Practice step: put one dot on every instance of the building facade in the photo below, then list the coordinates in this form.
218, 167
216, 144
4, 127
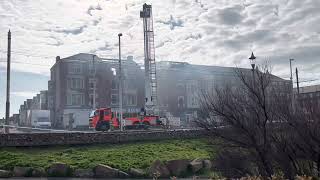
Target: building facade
308, 96
79, 81
83, 82
180, 86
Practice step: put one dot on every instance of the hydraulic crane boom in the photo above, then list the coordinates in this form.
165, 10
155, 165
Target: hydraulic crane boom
149, 61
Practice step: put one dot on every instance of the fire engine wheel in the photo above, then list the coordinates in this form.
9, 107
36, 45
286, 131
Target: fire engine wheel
136, 125
103, 126
146, 125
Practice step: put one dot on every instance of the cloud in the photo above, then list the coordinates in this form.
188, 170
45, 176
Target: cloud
172, 22
202, 32
230, 16
92, 8
74, 31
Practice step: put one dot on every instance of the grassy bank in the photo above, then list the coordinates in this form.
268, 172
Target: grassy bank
137, 155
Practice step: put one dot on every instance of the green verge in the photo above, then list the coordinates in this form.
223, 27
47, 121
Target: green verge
123, 156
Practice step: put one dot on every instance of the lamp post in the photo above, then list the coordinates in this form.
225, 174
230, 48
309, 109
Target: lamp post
94, 83
252, 59
120, 85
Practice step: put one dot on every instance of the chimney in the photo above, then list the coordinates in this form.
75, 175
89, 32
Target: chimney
57, 58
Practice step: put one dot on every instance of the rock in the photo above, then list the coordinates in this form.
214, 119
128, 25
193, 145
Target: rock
122, 174
83, 173
104, 171
22, 171
178, 167
207, 164
159, 169
5, 174
59, 170
39, 172
137, 172
196, 165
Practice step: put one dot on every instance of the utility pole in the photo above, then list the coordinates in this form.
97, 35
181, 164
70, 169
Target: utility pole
290, 60
291, 81
94, 83
297, 81
8, 83
120, 85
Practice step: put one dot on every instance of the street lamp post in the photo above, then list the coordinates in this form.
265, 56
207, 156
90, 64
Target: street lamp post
253, 65
94, 83
120, 85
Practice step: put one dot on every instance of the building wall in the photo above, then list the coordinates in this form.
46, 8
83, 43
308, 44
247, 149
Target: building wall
180, 86
73, 80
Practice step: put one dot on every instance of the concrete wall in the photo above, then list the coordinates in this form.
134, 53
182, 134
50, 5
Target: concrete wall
50, 139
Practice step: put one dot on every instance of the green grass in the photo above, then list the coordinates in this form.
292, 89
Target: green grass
136, 155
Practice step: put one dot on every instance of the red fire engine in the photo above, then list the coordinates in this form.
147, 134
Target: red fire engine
103, 119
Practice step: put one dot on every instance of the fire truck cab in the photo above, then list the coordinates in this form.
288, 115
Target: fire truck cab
104, 119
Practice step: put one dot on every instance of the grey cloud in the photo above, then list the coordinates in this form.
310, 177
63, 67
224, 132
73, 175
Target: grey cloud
303, 55
230, 16
238, 42
74, 31
57, 42
172, 22
96, 21
161, 44
106, 47
192, 36
92, 8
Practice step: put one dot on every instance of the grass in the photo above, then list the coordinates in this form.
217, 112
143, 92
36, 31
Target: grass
124, 156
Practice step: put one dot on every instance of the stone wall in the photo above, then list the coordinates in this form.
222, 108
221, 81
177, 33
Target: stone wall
50, 139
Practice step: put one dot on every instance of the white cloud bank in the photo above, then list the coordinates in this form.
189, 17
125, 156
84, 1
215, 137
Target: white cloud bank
197, 31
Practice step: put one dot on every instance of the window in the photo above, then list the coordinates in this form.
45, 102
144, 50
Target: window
91, 69
114, 85
75, 83
74, 68
180, 86
131, 100
180, 101
91, 83
75, 99
114, 99
90, 99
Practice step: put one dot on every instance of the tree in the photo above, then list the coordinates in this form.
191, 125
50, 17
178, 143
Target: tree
258, 116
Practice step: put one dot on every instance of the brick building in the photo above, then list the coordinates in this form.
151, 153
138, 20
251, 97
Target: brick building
180, 84
74, 79
308, 96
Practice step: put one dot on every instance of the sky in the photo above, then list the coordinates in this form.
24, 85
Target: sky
209, 32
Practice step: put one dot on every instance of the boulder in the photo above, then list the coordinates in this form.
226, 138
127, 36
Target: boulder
22, 171
5, 174
38, 172
196, 165
104, 171
207, 164
178, 167
59, 170
159, 169
137, 172
83, 173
